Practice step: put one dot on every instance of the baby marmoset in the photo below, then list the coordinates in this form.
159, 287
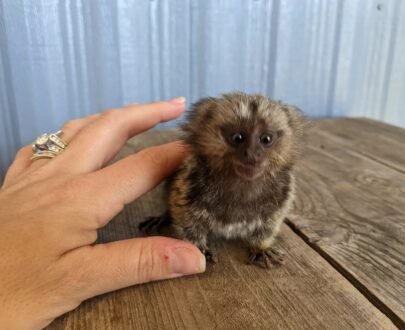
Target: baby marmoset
238, 181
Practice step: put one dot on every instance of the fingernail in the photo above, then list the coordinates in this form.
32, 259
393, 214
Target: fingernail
186, 261
179, 100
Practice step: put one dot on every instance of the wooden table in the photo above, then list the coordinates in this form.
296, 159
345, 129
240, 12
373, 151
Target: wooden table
344, 244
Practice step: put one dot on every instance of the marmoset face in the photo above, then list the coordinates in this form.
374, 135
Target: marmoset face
244, 135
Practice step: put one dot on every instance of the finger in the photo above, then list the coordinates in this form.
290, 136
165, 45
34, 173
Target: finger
108, 267
132, 105
93, 147
131, 177
69, 130
72, 127
23, 158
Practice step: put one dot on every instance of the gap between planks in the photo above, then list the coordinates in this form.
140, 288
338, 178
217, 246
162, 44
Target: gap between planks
371, 297
379, 161
367, 293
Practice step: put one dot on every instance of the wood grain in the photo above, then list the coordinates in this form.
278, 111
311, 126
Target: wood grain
351, 208
372, 139
305, 293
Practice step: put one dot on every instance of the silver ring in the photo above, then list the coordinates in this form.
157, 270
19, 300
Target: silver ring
48, 145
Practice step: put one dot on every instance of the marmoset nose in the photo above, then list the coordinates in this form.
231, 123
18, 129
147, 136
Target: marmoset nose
252, 157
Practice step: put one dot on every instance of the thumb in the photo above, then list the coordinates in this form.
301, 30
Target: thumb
124, 263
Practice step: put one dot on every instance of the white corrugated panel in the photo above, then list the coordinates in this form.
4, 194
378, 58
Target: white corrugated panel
63, 59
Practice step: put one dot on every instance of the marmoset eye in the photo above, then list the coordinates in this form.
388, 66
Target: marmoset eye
266, 139
238, 138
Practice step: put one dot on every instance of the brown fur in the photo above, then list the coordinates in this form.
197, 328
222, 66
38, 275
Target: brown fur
235, 190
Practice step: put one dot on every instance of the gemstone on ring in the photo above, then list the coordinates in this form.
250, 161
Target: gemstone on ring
54, 148
48, 145
40, 142
57, 140
42, 139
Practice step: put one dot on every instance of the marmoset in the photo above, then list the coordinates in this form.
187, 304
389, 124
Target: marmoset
238, 181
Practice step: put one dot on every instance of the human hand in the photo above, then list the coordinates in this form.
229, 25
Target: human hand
50, 210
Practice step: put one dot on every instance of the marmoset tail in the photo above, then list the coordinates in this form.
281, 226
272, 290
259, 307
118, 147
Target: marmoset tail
238, 180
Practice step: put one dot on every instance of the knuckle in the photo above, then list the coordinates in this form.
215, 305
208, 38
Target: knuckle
100, 212
156, 156
22, 152
110, 118
70, 125
111, 115
146, 266
63, 193
68, 189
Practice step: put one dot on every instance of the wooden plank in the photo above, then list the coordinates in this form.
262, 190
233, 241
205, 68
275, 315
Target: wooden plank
352, 210
305, 293
373, 139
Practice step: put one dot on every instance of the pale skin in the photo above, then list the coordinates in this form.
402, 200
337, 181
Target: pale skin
50, 210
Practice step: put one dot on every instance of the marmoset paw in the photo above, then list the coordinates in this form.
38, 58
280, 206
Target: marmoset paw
209, 255
267, 259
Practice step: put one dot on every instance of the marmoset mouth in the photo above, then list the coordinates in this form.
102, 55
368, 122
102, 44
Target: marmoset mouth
248, 171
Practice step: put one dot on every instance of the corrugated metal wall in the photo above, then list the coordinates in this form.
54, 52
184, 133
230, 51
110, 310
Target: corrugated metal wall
63, 59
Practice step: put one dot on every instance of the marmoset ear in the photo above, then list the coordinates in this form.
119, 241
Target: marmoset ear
296, 119
200, 112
